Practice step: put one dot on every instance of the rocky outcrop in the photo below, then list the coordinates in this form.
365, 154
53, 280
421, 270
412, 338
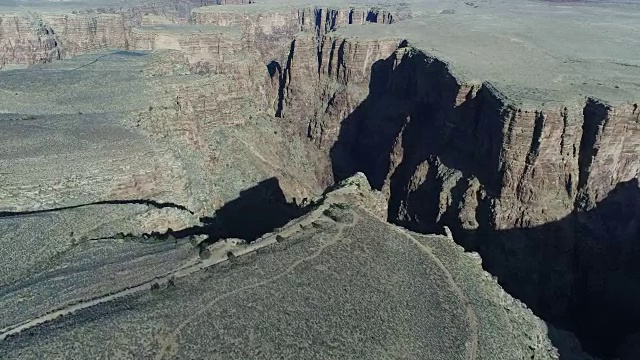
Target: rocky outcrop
323, 80
322, 83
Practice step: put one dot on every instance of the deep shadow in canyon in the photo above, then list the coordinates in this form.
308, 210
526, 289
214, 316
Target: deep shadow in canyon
587, 263
255, 212
578, 273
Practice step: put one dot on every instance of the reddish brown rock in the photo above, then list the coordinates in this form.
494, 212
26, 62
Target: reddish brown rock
29, 38
514, 182
26, 41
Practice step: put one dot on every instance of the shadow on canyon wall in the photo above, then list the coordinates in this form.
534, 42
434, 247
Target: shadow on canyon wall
578, 273
256, 211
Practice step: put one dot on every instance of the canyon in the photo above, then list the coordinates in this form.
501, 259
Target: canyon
513, 128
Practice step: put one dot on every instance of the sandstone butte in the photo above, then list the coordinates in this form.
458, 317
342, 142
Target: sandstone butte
513, 125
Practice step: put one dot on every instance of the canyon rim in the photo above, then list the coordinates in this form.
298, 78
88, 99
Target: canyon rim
155, 153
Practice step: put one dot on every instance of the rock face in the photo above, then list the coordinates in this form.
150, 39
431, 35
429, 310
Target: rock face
547, 193
42, 37
320, 72
205, 49
269, 29
315, 62
26, 41
517, 184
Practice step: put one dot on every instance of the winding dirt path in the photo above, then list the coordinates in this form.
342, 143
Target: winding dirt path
174, 335
183, 271
171, 341
472, 319
70, 309
160, 280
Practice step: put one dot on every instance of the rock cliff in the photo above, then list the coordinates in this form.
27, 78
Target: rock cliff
26, 41
515, 183
546, 191
270, 28
40, 37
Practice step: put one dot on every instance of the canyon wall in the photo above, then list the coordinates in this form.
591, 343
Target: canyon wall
270, 29
548, 195
34, 37
532, 189
26, 41
301, 61
313, 96
29, 38
200, 94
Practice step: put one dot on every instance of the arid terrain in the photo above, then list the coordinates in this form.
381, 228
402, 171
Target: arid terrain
295, 179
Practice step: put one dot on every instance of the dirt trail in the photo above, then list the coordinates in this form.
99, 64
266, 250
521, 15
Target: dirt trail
472, 319
171, 342
189, 268
173, 337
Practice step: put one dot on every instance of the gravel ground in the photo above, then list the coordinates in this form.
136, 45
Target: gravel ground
349, 286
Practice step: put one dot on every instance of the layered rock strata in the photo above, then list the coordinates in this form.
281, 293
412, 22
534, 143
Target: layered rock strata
269, 29
547, 193
517, 183
34, 37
